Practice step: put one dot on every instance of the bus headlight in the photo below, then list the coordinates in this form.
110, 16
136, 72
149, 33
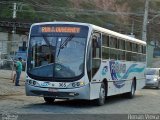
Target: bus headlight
33, 83
36, 84
76, 84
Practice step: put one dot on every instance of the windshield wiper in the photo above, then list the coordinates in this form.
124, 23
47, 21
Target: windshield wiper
65, 43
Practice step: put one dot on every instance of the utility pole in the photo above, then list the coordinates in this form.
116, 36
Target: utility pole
145, 21
14, 10
132, 30
14, 15
13, 37
14, 26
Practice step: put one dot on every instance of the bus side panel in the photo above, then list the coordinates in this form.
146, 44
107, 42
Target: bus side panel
111, 89
140, 77
134, 70
94, 90
96, 82
127, 86
122, 79
140, 84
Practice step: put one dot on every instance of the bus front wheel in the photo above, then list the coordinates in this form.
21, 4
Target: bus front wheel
102, 96
49, 99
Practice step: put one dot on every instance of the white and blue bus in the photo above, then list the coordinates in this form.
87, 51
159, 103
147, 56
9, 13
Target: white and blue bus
71, 60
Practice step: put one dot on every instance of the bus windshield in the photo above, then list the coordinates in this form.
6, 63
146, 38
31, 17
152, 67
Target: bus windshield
56, 56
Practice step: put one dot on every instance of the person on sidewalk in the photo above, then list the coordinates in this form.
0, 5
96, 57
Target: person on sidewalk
18, 71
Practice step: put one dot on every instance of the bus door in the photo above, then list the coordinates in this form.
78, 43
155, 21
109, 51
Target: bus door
93, 64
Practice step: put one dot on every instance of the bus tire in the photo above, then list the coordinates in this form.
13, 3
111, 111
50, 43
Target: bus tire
102, 95
49, 99
132, 92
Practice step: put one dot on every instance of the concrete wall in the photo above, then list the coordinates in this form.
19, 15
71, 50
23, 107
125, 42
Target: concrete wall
152, 62
3, 42
149, 55
10, 43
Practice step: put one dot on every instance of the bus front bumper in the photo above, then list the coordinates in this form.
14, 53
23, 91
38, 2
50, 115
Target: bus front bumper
65, 93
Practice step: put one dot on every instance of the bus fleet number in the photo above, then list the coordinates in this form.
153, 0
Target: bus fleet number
62, 85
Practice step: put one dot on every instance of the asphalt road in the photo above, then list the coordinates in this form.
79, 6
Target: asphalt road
145, 101
14, 105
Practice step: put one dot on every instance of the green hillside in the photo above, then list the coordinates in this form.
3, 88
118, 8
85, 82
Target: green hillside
125, 16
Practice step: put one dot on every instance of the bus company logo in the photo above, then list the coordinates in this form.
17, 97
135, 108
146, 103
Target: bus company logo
104, 70
117, 67
116, 70
120, 73
45, 84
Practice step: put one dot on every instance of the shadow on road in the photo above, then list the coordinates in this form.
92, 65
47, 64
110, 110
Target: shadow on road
150, 88
82, 103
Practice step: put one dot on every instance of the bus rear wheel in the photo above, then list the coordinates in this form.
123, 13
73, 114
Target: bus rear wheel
102, 96
49, 99
132, 92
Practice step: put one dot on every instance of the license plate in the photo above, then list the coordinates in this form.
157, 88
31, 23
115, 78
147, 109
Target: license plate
52, 90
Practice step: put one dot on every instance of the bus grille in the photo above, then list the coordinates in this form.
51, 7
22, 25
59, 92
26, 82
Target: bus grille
55, 94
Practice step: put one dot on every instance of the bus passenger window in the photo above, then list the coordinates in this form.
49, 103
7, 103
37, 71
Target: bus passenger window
121, 44
129, 46
105, 53
121, 55
105, 40
143, 49
113, 54
128, 56
134, 57
113, 42
134, 47
140, 48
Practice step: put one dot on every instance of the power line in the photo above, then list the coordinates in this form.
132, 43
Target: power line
83, 11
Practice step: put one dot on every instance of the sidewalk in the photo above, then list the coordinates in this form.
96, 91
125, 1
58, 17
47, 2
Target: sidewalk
7, 87
8, 74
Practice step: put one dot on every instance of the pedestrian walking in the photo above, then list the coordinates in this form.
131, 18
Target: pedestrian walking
18, 71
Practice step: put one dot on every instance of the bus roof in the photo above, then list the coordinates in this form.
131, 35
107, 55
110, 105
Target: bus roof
105, 30
123, 36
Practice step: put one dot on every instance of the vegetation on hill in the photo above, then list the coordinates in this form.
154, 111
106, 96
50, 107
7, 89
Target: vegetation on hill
125, 16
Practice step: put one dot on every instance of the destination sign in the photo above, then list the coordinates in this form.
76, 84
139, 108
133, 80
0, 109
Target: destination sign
51, 29
59, 30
